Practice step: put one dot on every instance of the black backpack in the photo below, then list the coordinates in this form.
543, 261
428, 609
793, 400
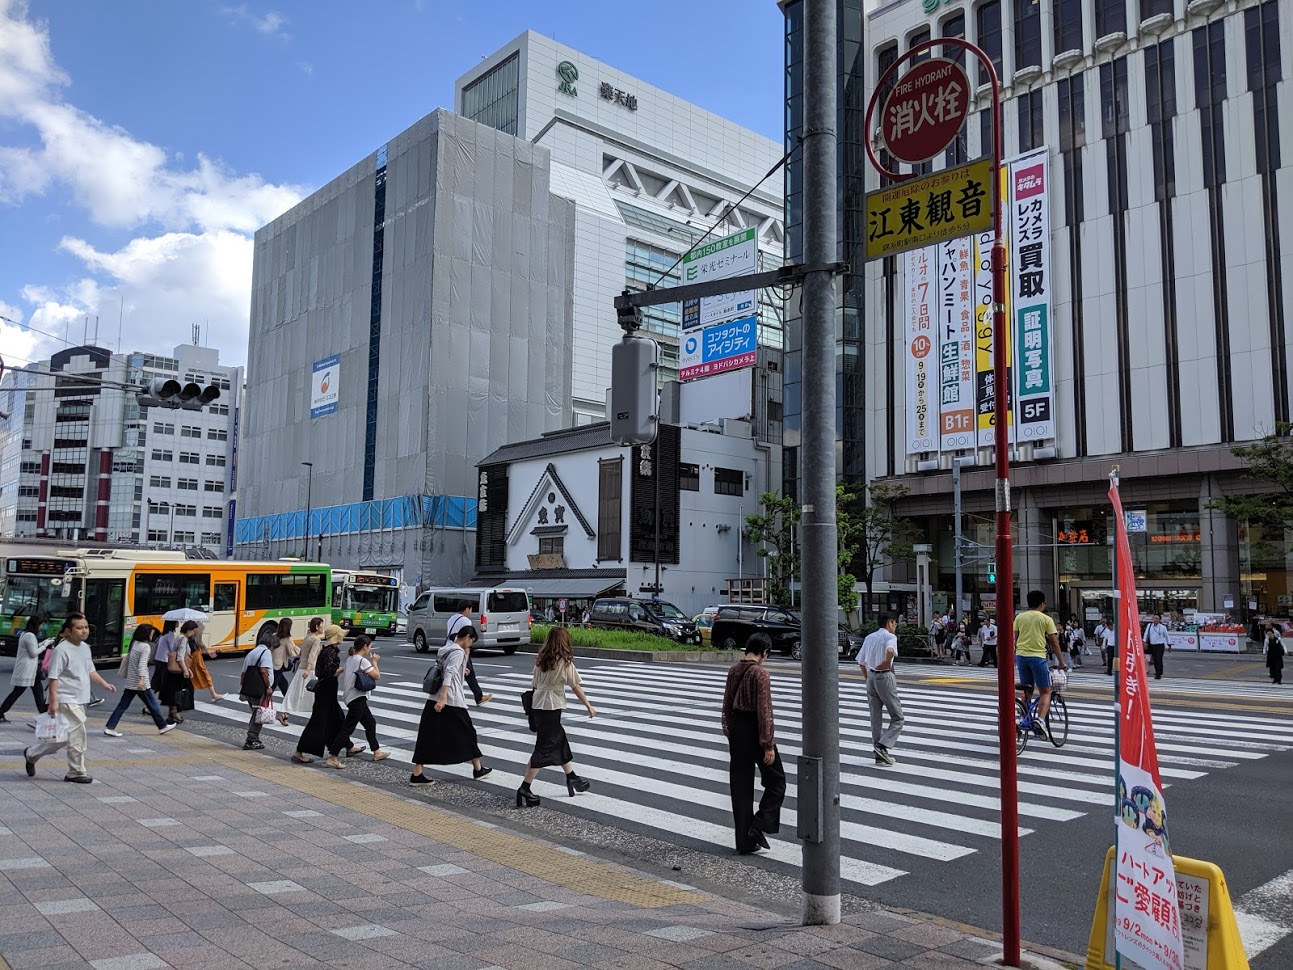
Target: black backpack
433, 679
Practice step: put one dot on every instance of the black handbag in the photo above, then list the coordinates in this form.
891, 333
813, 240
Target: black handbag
253, 685
312, 683
184, 699
527, 702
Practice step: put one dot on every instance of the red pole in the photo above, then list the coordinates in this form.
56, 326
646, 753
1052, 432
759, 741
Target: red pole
1010, 929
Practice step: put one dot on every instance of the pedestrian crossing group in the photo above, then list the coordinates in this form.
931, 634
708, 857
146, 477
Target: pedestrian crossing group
657, 759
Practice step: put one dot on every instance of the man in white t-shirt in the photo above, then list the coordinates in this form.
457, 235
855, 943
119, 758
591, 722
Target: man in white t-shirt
71, 671
988, 637
257, 668
876, 658
1107, 636
456, 622
1156, 643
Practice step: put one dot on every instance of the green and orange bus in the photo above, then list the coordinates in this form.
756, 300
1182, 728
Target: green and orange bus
118, 589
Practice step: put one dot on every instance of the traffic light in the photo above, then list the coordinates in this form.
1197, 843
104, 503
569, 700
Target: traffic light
635, 399
992, 572
166, 392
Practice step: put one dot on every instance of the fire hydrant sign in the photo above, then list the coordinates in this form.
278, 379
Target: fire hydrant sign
925, 110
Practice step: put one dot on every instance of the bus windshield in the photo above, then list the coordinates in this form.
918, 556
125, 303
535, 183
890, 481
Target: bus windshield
29, 595
370, 598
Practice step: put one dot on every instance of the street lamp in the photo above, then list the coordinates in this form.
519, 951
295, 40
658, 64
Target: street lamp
309, 490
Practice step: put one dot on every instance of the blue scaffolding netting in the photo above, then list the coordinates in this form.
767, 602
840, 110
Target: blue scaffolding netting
405, 512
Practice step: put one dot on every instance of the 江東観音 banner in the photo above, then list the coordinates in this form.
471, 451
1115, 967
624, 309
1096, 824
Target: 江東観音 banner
324, 383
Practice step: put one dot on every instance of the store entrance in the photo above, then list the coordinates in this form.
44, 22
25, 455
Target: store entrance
1091, 603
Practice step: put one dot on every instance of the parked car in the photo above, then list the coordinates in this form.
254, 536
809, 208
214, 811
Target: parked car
704, 624
734, 625
644, 616
401, 624
501, 617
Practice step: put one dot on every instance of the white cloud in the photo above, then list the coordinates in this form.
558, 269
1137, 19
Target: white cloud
270, 24
196, 264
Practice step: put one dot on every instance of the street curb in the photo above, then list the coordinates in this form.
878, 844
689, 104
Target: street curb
642, 656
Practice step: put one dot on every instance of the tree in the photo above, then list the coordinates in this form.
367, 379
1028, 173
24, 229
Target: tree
773, 530
1270, 463
872, 534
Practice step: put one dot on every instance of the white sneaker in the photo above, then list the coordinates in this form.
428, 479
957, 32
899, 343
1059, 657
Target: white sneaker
113, 734
164, 728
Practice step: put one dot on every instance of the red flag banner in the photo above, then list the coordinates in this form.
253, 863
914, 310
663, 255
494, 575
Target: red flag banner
1147, 928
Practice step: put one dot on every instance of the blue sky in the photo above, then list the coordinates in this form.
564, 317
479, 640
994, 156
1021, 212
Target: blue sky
142, 143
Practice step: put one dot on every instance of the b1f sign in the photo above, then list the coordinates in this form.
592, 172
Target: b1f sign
325, 381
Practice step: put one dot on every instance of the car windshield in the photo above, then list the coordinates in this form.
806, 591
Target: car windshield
667, 611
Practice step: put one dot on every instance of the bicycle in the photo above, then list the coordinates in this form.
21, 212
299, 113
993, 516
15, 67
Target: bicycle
1057, 718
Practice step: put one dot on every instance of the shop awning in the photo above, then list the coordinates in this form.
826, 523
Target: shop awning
575, 589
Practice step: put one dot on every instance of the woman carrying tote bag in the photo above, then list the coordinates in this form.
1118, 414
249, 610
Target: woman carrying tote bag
446, 735
297, 698
554, 671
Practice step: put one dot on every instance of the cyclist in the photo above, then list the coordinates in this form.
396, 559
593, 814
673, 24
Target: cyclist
1035, 637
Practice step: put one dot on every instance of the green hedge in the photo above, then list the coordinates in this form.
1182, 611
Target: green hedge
913, 641
613, 639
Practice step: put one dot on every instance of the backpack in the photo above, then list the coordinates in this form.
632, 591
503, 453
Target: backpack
433, 679
46, 656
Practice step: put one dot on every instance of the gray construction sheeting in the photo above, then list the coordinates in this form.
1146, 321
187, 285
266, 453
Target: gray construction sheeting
476, 331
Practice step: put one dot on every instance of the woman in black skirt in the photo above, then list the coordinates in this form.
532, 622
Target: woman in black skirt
554, 671
446, 735
326, 717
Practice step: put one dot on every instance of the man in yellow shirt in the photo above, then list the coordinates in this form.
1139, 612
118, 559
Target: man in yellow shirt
1035, 636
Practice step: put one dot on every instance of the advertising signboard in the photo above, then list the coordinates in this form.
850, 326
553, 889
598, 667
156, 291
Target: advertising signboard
1030, 289
720, 348
955, 345
922, 341
734, 255
923, 211
325, 380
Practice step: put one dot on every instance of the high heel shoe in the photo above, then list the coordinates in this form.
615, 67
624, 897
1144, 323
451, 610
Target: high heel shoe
574, 783
523, 794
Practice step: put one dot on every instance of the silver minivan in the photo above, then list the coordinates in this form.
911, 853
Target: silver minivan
500, 615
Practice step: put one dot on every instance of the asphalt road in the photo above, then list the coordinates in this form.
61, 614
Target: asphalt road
920, 837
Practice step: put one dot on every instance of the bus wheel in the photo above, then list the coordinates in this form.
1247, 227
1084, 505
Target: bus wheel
420, 642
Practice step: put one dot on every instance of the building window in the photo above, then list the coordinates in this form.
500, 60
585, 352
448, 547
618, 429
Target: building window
190, 431
190, 458
1031, 134
919, 37
552, 545
186, 537
492, 99
987, 23
1160, 97
159, 455
1114, 126
689, 477
217, 434
29, 491
213, 486
1028, 33
212, 512
985, 132
187, 484
729, 481
1262, 40
157, 535
218, 409
1152, 8
958, 152
216, 461
159, 428
1110, 17
30, 468
1072, 97
159, 481
187, 511
610, 488
1068, 25
212, 538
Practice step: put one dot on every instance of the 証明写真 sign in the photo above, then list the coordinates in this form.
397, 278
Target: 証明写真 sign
924, 110
947, 205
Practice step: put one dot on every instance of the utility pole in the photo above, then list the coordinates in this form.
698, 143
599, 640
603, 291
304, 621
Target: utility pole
819, 765
309, 494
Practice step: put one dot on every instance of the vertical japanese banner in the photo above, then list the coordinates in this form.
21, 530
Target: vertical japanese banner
1030, 296
922, 351
1147, 926
955, 344
985, 399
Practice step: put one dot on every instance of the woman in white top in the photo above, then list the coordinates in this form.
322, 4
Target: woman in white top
134, 677
297, 700
446, 735
554, 671
361, 659
26, 668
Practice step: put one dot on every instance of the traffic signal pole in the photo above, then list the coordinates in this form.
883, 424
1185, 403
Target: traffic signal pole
819, 765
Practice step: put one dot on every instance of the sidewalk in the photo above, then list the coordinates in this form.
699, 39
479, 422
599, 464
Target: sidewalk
189, 853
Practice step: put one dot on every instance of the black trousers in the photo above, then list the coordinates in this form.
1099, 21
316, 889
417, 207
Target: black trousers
989, 655
357, 713
745, 755
37, 691
1156, 651
470, 680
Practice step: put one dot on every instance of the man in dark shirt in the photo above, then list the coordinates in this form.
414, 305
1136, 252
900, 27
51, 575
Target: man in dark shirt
747, 723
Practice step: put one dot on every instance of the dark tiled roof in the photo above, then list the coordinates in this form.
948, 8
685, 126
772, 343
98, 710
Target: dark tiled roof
553, 443
521, 575
549, 530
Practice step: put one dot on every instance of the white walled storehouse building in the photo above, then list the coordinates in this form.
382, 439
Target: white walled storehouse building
570, 515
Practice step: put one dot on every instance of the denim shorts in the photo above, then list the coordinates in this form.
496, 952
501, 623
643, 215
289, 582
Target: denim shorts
1034, 672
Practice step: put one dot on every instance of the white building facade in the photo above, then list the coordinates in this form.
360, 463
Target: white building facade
1166, 129
649, 173
571, 515
82, 460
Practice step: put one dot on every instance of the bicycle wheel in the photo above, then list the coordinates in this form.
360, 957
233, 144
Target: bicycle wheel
1057, 721
1021, 735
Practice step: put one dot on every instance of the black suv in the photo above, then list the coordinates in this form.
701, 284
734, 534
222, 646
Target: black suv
734, 625
644, 616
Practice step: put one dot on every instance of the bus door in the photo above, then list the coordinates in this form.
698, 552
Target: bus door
105, 601
226, 614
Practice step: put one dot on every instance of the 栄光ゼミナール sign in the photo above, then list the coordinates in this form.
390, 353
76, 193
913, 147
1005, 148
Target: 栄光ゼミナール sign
946, 205
924, 110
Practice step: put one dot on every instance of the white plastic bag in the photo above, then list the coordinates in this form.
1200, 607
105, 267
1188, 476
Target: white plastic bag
51, 728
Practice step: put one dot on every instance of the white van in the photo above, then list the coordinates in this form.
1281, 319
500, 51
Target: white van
501, 616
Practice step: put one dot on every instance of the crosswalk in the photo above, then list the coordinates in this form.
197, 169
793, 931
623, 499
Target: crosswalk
658, 761
1092, 675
